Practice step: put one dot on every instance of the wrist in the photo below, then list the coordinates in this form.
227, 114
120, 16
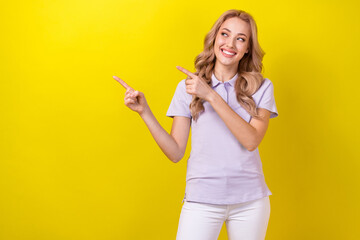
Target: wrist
146, 111
211, 96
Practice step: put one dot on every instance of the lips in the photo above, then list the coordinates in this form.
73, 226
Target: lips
228, 50
227, 55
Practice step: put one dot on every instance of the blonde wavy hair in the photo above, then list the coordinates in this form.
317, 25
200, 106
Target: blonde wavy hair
249, 68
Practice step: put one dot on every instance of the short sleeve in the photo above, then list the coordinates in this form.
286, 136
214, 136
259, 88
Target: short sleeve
267, 99
180, 102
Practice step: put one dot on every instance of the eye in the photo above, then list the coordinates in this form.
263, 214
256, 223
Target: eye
238, 38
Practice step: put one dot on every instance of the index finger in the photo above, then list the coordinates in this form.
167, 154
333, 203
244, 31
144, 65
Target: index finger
124, 84
187, 72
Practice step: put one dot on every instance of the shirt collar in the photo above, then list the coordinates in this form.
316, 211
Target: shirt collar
216, 82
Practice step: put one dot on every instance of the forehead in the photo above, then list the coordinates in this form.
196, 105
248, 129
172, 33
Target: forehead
236, 25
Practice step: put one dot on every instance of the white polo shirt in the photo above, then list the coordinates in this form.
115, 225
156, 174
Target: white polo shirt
220, 170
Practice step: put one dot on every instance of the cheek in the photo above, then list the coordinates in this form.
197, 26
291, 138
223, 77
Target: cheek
242, 46
219, 42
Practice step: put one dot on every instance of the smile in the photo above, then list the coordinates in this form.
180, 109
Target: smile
227, 54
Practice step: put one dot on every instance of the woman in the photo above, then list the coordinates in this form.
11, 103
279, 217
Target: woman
227, 103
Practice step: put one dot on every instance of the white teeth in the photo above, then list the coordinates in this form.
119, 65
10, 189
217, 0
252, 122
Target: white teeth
228, 52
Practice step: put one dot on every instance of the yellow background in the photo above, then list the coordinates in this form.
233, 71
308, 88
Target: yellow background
76, 163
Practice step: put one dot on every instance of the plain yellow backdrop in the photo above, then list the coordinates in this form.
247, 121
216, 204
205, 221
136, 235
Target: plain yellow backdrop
76, 163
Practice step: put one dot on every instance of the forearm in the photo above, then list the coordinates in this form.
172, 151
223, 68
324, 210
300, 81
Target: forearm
163, 139
242, 130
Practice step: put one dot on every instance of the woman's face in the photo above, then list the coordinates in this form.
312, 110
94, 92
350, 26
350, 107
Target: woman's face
233, 36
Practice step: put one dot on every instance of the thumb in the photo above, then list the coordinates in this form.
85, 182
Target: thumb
140, 96
136, 94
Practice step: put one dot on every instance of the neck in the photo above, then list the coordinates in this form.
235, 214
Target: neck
224, 73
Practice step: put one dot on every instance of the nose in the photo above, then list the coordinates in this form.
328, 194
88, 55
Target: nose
230, 42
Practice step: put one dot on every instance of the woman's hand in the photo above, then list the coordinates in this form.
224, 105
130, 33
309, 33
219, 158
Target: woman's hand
134, 100
196, 85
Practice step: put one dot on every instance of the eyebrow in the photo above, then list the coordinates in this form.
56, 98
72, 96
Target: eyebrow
237, 34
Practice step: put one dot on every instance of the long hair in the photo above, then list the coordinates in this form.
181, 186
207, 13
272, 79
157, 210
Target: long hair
249, 67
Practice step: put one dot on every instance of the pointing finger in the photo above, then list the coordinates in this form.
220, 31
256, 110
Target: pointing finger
187, 72
124, 84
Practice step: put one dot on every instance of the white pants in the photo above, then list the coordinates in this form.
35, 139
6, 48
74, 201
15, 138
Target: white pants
244, 221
